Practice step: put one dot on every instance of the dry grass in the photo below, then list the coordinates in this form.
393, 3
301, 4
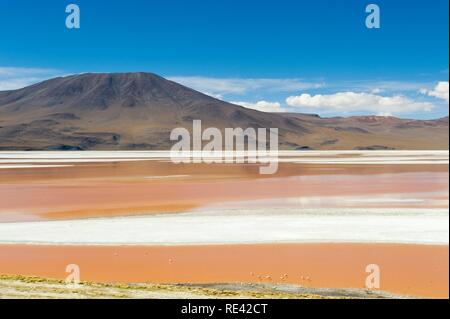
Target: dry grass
16, 286
35, 287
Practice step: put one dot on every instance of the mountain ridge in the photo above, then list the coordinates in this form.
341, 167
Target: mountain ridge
120, 111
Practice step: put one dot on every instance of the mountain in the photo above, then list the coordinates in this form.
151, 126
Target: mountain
137, 111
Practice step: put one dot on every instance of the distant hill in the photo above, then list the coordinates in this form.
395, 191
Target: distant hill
137, 111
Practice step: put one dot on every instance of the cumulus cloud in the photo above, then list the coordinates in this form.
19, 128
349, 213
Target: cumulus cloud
224, 86
440, 91
12, 78
263, 106
347, 102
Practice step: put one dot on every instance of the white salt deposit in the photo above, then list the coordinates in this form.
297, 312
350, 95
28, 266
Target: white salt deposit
237, 226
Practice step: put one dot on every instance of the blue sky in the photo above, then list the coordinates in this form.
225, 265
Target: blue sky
285, 55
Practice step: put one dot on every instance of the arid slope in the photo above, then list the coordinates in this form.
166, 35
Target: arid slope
137, 111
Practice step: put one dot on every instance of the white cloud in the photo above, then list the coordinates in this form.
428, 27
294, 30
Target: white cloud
216, 96
376, 91
263, 106
440, 91
224, 86
378, 87
17, 83
385, 114
12, 78
347, 102
22, 72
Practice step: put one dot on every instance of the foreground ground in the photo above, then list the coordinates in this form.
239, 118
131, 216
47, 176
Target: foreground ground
12, 287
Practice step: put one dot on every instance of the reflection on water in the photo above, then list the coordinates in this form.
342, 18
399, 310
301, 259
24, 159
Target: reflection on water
95, 184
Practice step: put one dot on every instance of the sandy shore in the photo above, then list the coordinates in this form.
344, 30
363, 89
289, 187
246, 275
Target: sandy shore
405, 269
22, 287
